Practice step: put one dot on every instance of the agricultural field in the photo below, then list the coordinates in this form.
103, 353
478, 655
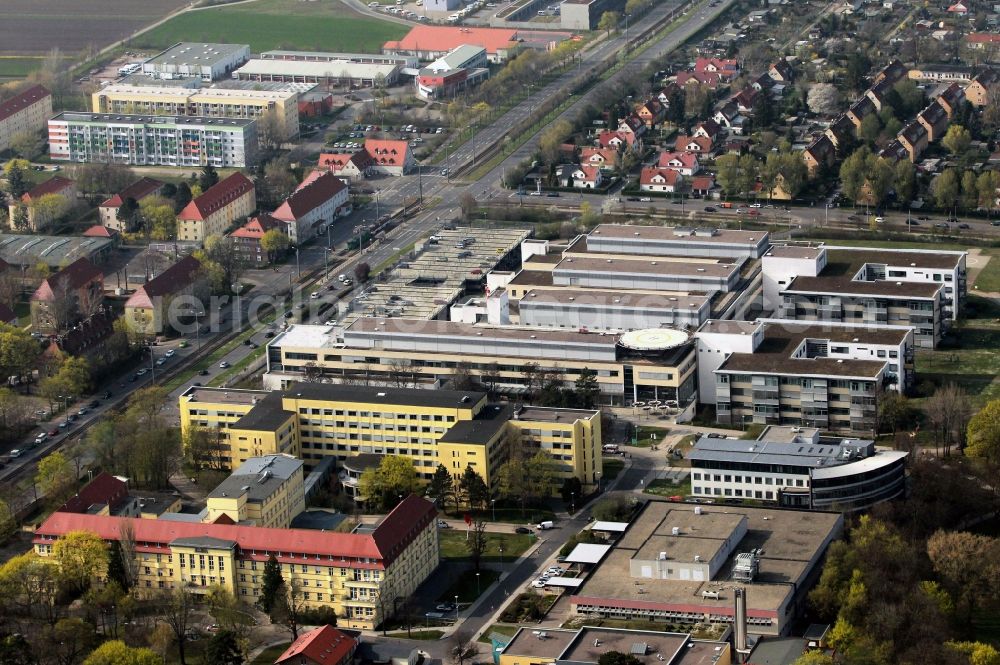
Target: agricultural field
35, 27
324, 25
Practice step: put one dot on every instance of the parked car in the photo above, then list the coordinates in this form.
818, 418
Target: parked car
709, 208
223, 365
443, 525
645, 199
522, 529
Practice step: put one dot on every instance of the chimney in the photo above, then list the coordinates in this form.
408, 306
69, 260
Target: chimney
740, 622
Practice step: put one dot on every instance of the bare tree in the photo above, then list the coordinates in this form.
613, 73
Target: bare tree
400, 374
288, 607
462, 649
126, 545
177, 609
476, 543
948, 412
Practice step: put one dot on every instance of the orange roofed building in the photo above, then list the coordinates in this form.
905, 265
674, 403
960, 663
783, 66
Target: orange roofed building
145, 309
320, 646
430, 42
347, 572
390, 157
225, 203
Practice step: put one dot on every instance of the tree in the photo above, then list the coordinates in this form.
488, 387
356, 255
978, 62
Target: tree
824, 99
904, 181
870, 129
21, 221
270, 131
159, 221
571, 490
362, 272
224, 253
461, 648
814, 658
474, 488
8, 522
82, 556
182, 196
288, 607
70, 639
55, 478
394, 477
894, 410
17, 181
879, 177
116, 567
586, 389
978, 653
224, 649
551, 141
230, 612
858, 65
208, 177
27, 144
18, 351
984, 433
49, 208
970, 191
541, 471
728, 167
957, 140
441, 486
476, 543
617, 658
947, 410
973, 585
278, 181
987, 184
945, 189
127, 213
99, 180
115, 652
178, 612
271, 584
609, 21
275, 243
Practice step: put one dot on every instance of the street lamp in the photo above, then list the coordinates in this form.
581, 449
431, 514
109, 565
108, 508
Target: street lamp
572, 502
598, 481
456, 608
197, 330
237, 312
493, 504
478, 588
501, 554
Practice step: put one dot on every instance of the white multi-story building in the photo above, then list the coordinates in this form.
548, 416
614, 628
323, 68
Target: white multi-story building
144, 140
314, 205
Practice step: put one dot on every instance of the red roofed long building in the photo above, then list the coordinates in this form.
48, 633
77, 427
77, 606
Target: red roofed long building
224, 204
26, 111
430, 42
320, 646
137, 191
313, 206
346, 571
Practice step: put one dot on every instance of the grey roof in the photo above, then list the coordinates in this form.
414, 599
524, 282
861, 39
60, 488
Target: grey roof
258, 478
30, 250
204, 541
778, 651
267, 415
196, 53
384, 395
824, 453
481, 429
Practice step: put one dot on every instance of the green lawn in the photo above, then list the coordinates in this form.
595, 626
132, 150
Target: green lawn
269, 655
514, 545
974, 365
467, 588
415, 635
18, 66
644, 436
499, 629
611, 468
988, 278
326, 25
661, 487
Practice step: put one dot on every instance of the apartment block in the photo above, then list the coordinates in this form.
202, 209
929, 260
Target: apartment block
264, 491
314, 205
137, 191
216, 210
795, 467
358, 425
348, 572
41, 214
921, 288
205, 103
826, 375
26, 111
150, 140
427, 353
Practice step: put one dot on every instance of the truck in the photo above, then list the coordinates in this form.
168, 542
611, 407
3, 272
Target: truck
542, 526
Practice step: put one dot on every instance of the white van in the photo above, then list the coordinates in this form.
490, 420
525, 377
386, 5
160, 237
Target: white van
544, 526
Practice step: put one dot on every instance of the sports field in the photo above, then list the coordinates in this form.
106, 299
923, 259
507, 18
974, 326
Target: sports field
321, 25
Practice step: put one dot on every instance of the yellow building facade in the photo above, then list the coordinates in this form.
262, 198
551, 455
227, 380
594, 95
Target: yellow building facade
357, 574
205, 102
457, 429
266, 491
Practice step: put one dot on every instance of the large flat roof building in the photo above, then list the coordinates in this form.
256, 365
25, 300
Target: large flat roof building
54, 251
325, 72
679, 563
795, 467
827, 375
586, 645
677, 241
205, 61
266, 491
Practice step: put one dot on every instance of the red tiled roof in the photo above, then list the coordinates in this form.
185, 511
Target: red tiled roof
171, 280
687, 160
982, 38
336, 161
727, 66
257, 226
54, 185
606, 155
383, 545
98, 231
104, 488
325, 645
217, 197
703, 142
445, 38
72, 277
590, 173
711, 79
22, 101
387, 152
702, 183
138, 190
647, 174
606, 136
318, 188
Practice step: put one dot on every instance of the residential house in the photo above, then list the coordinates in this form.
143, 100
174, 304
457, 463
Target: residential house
914, 138
27, 111
146, 309
877, 93
98, 231
959, 8
320, 646
580, 176
685, 163
248, 237
980, 88
941, 72
41, 215
668, 91
841, 132
618, 140
819, 154
654, 179
894, 152
223, 205
935, 120
701, 185
137, 191
313, 206
746, 99
68, 296
860, 110
710, 129
600, 157
728, 69
951, 98
729, 117
982, 41
353, 166
698, 144
632, 125
892, 72
763, 83
781, 71
651, 112
711, 80
390, 157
